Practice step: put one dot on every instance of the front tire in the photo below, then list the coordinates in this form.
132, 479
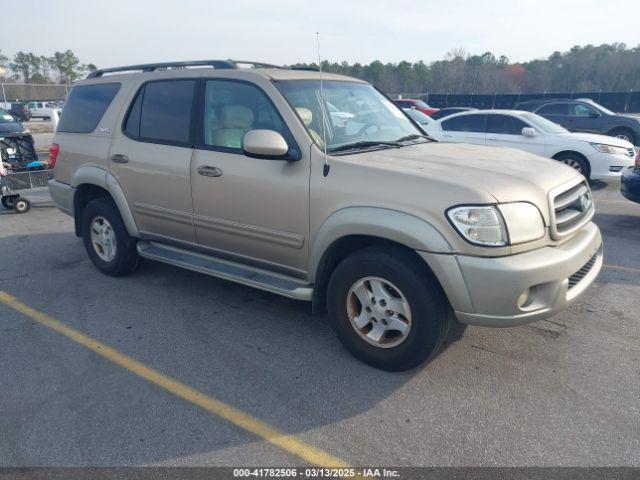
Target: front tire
8, 201
576, 162
106, 239
387, 309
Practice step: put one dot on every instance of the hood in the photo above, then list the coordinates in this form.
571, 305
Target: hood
11, 127
506, 174
596, 138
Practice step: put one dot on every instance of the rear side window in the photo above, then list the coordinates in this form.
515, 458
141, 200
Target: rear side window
505, 125
161, 112
466, 123
554, 109
85, 107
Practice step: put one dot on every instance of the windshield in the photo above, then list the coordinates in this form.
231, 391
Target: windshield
5, 117
604, 109
418, 116
356, 113
543, 124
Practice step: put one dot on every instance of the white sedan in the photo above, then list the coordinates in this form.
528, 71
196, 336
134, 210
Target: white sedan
595, 156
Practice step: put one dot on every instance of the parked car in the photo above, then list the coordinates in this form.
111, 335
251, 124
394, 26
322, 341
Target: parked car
630, 184
416, 104
18, 110
419, 117
594, 156
445, 112
16, 142
585, 115
43, 110
393, 233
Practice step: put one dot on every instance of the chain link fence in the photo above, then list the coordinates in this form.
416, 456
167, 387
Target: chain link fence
27, 92
621, 102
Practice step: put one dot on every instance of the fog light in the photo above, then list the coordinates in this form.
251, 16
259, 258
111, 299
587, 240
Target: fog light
615, 168
524, 298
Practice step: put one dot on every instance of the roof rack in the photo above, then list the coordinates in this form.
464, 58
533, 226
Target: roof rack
151, 67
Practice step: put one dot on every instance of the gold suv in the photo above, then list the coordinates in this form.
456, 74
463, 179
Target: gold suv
319, 188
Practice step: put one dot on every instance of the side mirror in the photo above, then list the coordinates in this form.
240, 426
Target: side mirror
267, 143
594, 115
529, 132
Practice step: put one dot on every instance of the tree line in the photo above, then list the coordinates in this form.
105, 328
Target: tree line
28, 67
607, 67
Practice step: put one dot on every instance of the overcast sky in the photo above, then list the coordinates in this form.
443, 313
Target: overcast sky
118, 32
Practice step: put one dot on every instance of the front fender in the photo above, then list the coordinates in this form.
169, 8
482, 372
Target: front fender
399, 227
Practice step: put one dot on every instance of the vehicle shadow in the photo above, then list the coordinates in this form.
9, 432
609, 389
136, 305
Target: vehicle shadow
596, 185
264, 354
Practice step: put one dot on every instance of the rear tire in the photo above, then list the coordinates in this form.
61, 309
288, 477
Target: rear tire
109, 246
410, 297
21, 205
576, 162
623, 134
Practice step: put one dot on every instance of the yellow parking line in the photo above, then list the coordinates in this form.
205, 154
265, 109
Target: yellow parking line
620, 267
289, 443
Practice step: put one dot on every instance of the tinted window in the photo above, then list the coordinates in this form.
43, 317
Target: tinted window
132, 124
581, 110
505, 125
86, 106
554, 109
404, 103
166, 111
233, 108
466, 123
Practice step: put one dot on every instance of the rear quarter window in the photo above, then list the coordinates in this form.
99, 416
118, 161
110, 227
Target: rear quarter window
85, 107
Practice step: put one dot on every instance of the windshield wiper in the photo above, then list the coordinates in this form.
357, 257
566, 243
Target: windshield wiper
413, 136
363, 144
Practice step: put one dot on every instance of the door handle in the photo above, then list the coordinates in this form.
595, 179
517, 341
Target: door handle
119, 158
492, 138
208, 171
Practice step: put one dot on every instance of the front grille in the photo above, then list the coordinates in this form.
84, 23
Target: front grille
571, 209
18, 150
580, 274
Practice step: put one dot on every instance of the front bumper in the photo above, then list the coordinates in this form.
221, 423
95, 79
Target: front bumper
485, 291
608, 165
630, 184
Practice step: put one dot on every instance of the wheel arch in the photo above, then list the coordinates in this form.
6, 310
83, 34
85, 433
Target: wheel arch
92, 182
559, 155
356, 228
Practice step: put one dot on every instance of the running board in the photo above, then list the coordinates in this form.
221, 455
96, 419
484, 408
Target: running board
235, 272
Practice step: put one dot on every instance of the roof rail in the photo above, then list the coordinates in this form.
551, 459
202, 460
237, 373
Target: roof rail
255, 64
151, 67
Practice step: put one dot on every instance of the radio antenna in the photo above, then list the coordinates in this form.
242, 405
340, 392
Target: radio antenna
325, 167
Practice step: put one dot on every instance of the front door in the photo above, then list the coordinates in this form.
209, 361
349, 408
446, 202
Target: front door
584, 118
506, 131
151, 159
465, 128
254, 210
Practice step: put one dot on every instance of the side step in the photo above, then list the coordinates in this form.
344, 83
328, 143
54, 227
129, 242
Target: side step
280, 284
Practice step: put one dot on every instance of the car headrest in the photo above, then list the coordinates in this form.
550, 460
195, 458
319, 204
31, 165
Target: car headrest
236, 116
305, 115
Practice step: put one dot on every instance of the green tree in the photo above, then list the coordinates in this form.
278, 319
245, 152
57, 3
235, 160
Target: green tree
67, 65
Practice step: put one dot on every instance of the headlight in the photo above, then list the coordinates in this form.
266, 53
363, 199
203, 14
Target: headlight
481, 225
497, 226
604, 148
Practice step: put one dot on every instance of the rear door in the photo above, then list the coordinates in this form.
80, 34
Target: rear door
557, 112
466, 128
506, 131
151, 157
